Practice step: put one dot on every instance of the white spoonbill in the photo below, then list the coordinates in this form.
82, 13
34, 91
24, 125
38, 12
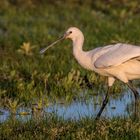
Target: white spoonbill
118, 61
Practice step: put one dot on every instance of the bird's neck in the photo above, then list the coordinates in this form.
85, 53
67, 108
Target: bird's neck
81, 56
77, 46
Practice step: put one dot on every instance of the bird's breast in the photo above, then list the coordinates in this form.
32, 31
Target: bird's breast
83, 59
85, 64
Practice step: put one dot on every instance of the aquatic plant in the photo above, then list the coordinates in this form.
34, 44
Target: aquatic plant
13, 105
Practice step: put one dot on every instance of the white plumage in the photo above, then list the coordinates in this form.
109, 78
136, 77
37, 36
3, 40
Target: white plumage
118, 61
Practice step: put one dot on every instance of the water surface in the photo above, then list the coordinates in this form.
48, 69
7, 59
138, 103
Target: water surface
77, 109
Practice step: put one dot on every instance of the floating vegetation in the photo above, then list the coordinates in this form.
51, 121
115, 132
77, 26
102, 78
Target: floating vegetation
24, 113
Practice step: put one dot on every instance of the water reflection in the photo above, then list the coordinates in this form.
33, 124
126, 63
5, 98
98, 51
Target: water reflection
77, 109
4, 115
116, 107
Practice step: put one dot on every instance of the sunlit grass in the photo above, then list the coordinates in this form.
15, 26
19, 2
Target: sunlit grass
30, 79
86, 128
24, 73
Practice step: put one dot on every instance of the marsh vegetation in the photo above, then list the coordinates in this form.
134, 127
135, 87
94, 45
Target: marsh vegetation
30, 83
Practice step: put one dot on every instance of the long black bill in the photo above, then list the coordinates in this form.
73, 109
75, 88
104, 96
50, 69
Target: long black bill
43, 50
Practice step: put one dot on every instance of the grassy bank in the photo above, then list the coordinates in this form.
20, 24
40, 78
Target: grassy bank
25, 74
84, 129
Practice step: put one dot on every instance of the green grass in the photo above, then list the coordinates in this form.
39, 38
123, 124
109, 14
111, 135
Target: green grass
85, 129
25, 75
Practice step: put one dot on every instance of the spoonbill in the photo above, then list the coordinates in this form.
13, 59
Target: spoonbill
116, 62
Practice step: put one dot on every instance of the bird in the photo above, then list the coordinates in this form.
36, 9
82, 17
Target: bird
118, 61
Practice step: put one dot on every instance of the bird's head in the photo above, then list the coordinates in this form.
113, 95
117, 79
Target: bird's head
72, 33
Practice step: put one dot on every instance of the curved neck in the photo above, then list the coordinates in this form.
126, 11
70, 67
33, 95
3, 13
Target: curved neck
81, 56
77, 47
78, 43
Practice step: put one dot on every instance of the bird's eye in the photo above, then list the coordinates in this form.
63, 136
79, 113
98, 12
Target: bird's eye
70, 32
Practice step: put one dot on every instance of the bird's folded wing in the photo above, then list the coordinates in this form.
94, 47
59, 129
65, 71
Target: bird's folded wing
117, 55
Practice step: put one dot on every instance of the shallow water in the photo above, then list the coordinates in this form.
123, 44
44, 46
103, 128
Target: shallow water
120, 106
116, 107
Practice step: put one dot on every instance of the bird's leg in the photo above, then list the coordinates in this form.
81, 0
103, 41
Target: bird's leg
133, 89
105, 101
136, 95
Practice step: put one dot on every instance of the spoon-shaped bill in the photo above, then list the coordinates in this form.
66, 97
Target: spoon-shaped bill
43, 50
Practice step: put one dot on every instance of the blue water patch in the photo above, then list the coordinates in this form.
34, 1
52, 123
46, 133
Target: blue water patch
77, 109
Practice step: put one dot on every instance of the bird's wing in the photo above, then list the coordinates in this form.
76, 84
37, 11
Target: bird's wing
116, 55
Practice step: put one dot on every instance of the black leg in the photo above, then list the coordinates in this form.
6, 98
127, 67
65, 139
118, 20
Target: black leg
133, 89
136, 95
105, 101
